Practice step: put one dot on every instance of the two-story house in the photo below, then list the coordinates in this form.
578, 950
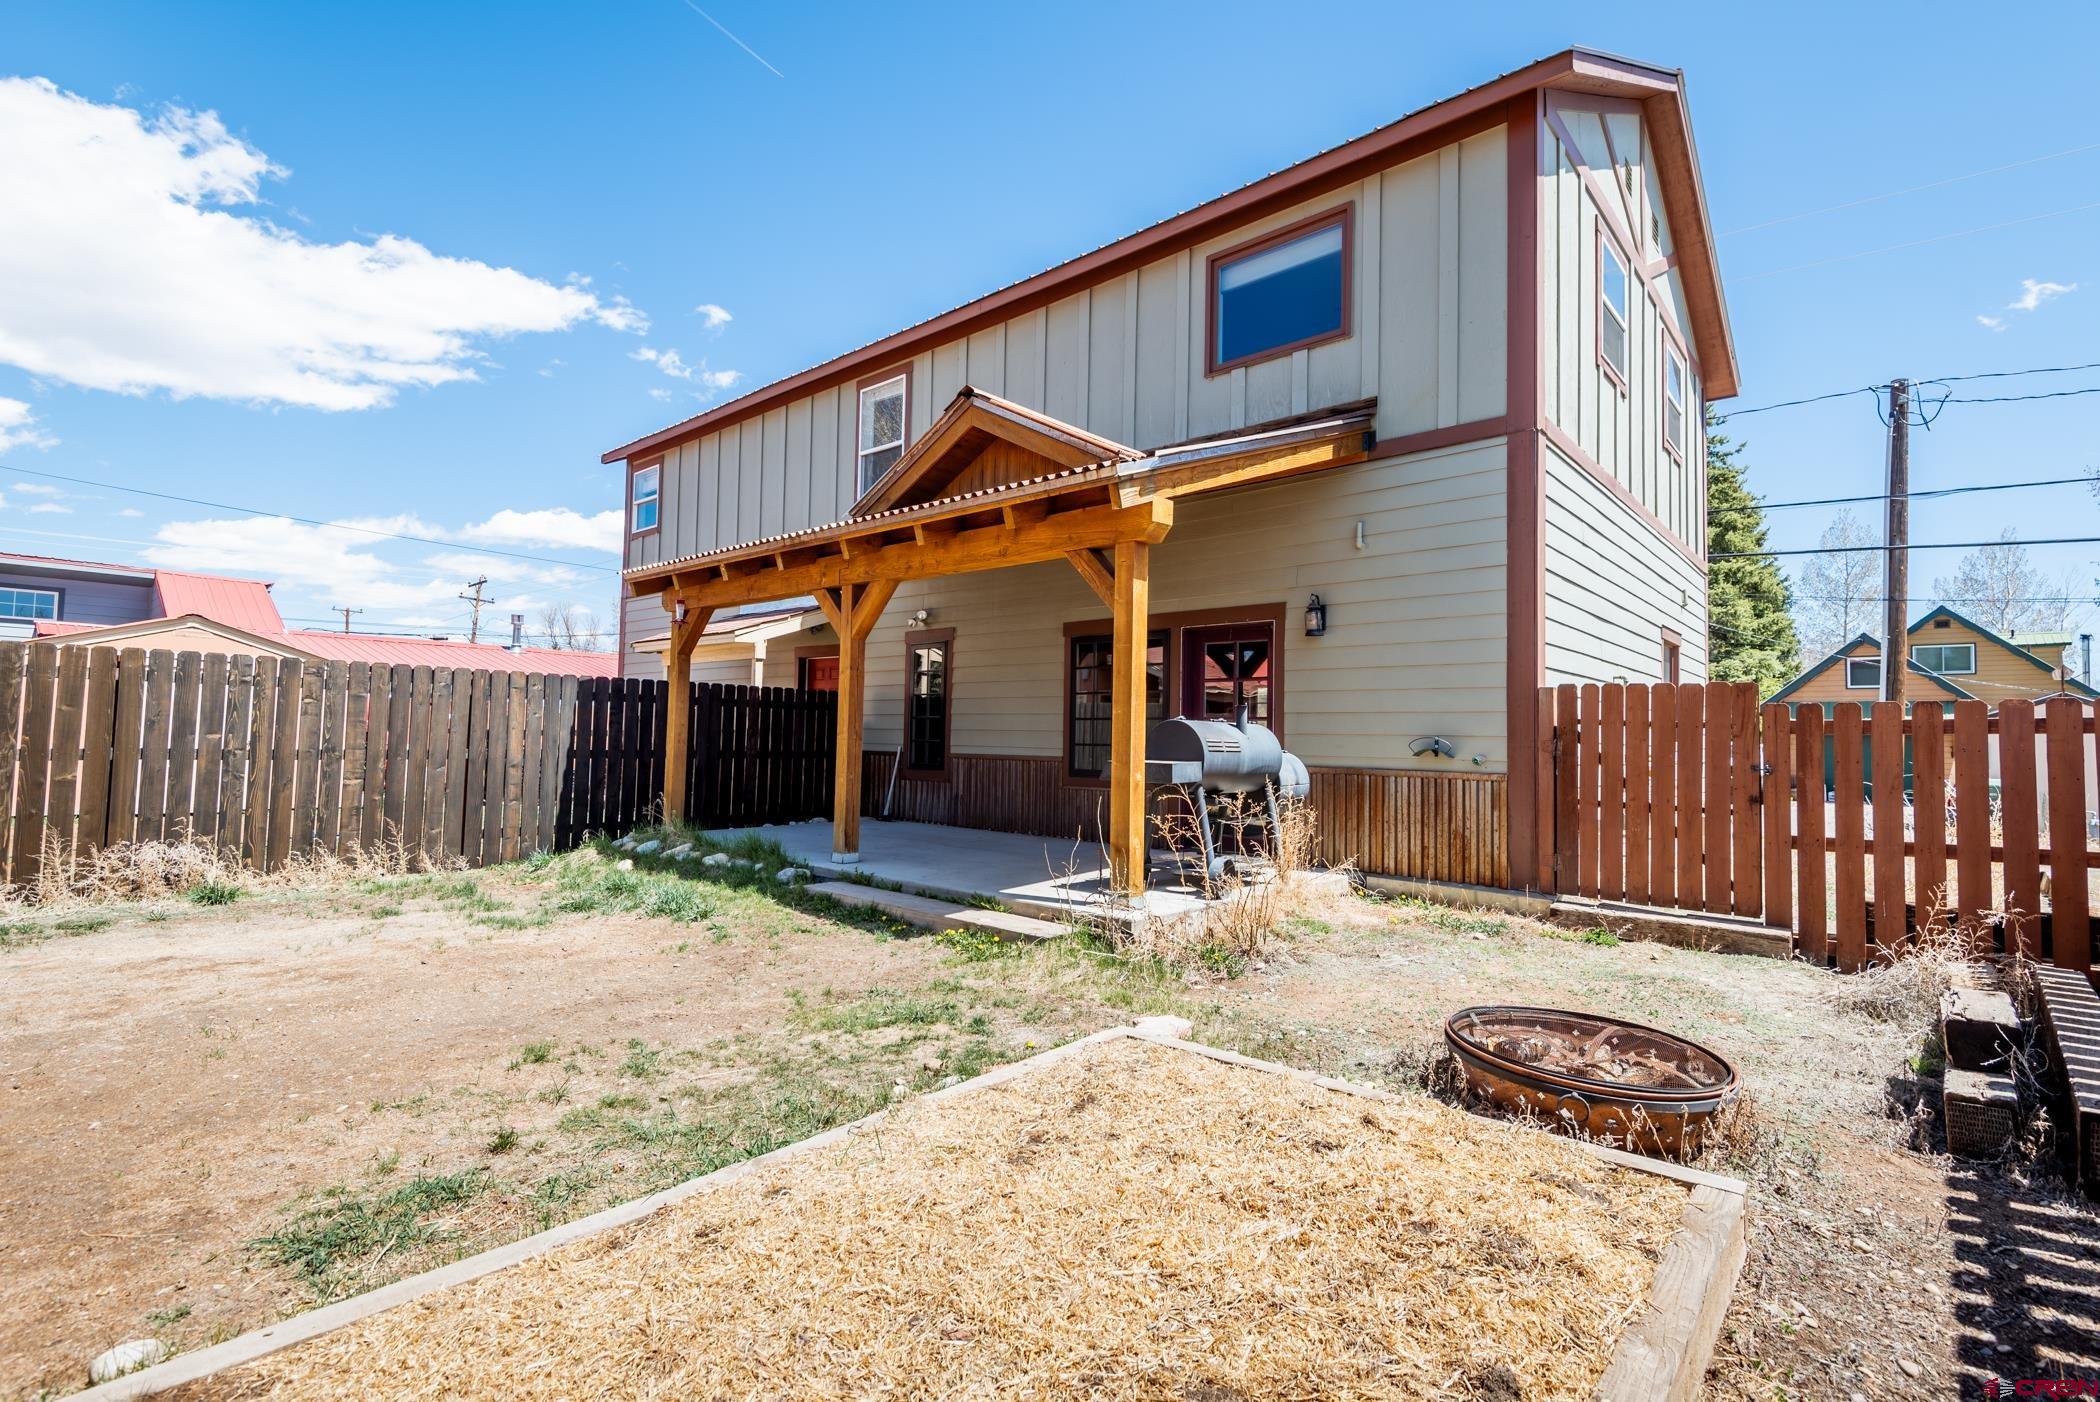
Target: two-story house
1375, 446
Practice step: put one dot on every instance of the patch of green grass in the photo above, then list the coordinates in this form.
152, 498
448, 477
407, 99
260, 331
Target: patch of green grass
503, 1140
161, 1319
215, 892
733, 1125
1220, 959
84, 924
325, 1243
643, 1061
532, 1054
881, 1007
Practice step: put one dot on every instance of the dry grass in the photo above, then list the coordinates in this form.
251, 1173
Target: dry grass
181, 865
1131, 1222
1253, 911
1903, 985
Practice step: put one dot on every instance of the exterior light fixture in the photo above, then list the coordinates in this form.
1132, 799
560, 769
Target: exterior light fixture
1315, 617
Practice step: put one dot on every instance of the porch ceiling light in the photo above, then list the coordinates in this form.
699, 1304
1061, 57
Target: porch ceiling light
1315, 617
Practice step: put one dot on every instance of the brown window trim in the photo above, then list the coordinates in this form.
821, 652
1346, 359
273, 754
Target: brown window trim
1611, 371
1172, 624
920, 638
1672, 641
1345, 215
635, 469
904, 369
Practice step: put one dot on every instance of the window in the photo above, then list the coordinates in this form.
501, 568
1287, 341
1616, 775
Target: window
926, 669
882, 408
1281, 293
28, 603
1673, 657
1863, 673
645, 493
1087, 733
1948, 659
1612, 307
1227, 667
1673, 401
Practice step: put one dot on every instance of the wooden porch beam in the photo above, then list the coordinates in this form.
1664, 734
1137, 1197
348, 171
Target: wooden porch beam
678, 673
1208, 476
854, 610
1096, 572
1128, 851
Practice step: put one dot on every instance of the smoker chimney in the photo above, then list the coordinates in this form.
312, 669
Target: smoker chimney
517, 631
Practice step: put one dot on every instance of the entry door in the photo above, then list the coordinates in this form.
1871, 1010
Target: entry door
1228, 666
820, 674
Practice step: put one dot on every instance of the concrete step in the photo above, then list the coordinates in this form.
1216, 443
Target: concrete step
929, 913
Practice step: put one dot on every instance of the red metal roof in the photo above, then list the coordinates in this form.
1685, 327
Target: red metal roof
52, 627
238, 603
447, 652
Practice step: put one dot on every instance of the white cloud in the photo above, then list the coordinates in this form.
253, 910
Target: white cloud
39, 489
47, 508
720, 379
1991, 323
129, 511
716, 316
2033, 294
672, 364
18, 427
659, 393
326, 561
559, 527
131, 265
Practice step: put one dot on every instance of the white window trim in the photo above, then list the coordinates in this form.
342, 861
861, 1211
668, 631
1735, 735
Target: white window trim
636, 497
863, 451
1968, 671
1673, 361
1874, 685
51, 594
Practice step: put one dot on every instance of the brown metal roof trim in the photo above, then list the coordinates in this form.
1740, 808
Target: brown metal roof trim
1104, 450
1578, 70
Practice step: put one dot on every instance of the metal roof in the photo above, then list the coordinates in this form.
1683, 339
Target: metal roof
238, 603
447, 652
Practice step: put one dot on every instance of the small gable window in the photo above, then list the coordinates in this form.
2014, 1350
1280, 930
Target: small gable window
1673, 401
1281, 293
646, 495
1612, 307
881, 440
1948, 659
1863, 673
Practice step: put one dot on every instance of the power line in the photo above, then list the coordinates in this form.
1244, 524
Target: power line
1911, 190
2018, 398
1877, 549
1913, 496
1880, 389
309, 521
1796, 403
2010, 374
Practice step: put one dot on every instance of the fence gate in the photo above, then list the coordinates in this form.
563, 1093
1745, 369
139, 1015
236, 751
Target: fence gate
1850, 831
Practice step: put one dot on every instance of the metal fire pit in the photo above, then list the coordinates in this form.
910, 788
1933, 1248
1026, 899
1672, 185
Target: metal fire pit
1613, 1080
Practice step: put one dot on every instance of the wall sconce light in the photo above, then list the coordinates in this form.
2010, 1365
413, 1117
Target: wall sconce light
1315, 617
679, 613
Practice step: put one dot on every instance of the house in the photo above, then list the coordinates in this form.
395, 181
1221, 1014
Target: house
1949, 658
1375, 446
89, 603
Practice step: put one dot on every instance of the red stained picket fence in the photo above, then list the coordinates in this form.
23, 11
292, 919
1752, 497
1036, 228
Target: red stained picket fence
1848, 831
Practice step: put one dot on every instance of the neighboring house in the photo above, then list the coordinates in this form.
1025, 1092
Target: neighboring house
80, 602
735, 648
1949, 658
1375, 446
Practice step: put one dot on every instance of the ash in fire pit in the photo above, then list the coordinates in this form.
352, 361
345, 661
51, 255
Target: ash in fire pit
1615, 1080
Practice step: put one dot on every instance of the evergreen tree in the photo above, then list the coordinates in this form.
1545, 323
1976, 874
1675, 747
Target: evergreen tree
1750, 625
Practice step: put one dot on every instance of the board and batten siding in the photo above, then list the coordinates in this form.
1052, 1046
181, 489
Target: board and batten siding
1414, 645
1125, 359
1619, 429
1613, 584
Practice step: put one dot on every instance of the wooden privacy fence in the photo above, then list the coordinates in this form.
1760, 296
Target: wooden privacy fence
1697, 797
272, 760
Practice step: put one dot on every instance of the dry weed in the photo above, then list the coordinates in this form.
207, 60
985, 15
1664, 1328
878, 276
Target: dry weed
161, 868
1251, 910
1905, 983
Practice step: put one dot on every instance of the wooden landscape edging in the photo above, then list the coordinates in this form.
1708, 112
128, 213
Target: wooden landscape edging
1663, 1357
1841, 832
274, 761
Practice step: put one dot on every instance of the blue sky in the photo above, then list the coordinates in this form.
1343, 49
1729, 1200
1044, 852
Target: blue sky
902, 160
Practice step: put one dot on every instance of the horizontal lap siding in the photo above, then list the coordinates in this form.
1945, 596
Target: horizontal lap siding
1612, 586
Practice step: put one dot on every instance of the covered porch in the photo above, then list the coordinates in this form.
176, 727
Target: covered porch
989, 484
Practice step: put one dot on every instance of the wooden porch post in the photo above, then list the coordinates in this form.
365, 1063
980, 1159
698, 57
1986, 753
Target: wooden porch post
678, 672
853, 610
1127, 847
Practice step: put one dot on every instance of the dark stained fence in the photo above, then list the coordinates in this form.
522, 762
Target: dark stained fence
1851, 831
274, 760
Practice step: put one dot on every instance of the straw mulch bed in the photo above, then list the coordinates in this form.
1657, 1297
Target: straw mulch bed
1131, 1222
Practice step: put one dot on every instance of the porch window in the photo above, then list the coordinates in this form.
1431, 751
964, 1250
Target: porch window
1089, 739
1863, 673
1613, 309
1227, 667
881, 428
926, 668
1673, 401
1285, 291
645, 494
1948, 659
28, 603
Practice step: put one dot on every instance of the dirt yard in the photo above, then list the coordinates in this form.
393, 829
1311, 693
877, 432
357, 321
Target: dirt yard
217, 1115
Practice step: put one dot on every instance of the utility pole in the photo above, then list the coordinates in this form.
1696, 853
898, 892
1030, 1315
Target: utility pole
345, 612
1895, 654
474, 627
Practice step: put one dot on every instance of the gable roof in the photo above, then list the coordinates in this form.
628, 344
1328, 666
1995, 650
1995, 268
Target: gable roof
971, 423
1660, 90
1910, 666
2071, 684
239, 603
148, 628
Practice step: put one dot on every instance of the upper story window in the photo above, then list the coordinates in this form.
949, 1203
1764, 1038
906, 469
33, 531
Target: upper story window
28, 603
1863, 673
1281, 293
881, 439
1948, 659
645, 495
1673, 400
1613, 309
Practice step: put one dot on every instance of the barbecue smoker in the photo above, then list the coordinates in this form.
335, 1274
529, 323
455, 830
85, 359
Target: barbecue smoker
1220, 767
